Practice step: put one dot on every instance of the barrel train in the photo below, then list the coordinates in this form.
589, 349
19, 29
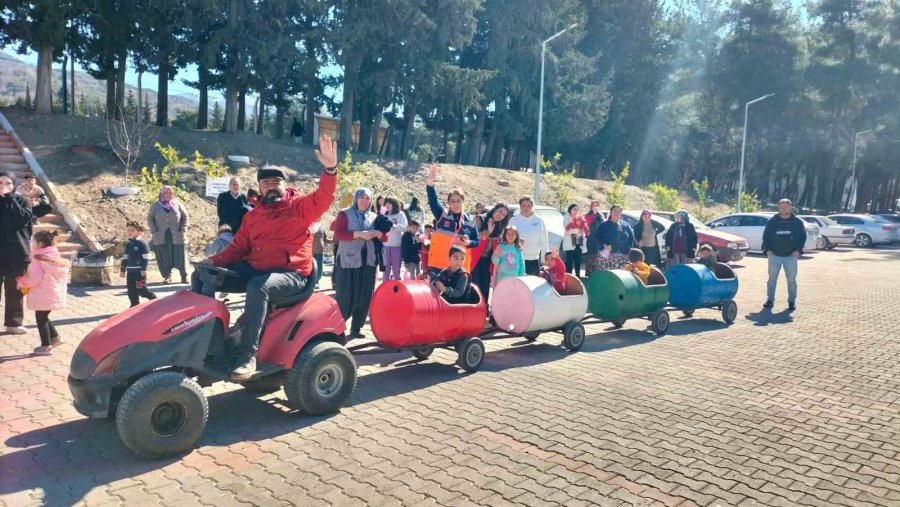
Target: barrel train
412, 316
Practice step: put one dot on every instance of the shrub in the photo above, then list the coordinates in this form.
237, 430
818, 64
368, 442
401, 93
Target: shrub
616, 196
210, 167
561, 180
153, 178
665, 198
750, 202
701, 188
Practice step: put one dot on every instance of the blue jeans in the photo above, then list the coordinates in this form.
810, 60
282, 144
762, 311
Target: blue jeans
789, 264
262, 287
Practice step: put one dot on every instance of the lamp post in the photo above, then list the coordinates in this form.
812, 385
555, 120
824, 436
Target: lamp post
744, 147
537, 158
852, 193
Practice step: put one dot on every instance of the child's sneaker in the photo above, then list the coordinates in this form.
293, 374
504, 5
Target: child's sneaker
44, 350
56, 341
16, 330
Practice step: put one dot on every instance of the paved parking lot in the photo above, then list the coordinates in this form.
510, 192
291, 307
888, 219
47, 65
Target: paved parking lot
777, 409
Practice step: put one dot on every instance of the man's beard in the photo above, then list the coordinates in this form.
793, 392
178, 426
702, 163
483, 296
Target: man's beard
273, 196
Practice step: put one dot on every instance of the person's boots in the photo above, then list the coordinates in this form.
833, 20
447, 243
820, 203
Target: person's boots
245, 370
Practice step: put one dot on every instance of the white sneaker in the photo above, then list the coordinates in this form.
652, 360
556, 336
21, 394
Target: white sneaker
43, 350
16, 330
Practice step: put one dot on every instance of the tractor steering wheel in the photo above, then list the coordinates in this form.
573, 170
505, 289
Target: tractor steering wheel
211, 277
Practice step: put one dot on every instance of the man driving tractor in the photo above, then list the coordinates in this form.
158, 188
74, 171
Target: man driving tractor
272, 250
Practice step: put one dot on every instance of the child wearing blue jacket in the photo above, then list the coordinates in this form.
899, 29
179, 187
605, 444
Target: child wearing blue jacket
135, 261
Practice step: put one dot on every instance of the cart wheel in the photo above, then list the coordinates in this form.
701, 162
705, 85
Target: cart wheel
729, 311
422, 353
573, 336
659, 321
531, 336
471, 354
618, 323
688, 313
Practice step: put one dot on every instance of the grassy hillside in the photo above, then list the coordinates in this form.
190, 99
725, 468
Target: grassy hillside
82, 177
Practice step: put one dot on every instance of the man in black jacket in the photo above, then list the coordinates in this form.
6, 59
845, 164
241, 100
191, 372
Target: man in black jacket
231, 206
15, 249
783, 241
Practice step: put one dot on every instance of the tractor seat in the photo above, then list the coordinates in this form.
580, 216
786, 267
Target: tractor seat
303, 295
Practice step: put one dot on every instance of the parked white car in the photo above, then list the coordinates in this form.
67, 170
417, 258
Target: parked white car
832, 233
553, 221
870, 231
752, 225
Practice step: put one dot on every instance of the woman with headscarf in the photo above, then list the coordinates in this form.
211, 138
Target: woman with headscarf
354, 260
490, 227
167, 221
645, 233
615, 239
681, 239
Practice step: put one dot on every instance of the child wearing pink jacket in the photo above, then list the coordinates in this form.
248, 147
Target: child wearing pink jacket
44, 286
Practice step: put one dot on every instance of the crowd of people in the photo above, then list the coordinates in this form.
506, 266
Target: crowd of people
275, 241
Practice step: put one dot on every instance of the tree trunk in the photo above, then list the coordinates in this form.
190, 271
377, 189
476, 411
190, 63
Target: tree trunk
232, 104
460, 124
376, 132
122, 61
280, 113
260, 108
242, 110
409, 120
139, 114
110, 93
489, 148
351, 76
162, 97
365, 127
475, 139
203, 88
65, 87
311, 109
72, 80
43, 91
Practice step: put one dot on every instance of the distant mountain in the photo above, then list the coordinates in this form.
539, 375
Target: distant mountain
14, 73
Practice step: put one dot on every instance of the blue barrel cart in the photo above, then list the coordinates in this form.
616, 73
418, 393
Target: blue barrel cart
694, 286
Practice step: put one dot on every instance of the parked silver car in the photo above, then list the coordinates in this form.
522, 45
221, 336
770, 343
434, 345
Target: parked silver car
553, 221
832, 233
870, 231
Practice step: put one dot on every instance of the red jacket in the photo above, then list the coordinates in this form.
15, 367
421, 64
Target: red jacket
556, 275
277, 235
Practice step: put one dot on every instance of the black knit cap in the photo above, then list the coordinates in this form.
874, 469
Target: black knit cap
269, 171
9, 175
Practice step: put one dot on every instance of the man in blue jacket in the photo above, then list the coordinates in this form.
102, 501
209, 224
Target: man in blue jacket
783, 241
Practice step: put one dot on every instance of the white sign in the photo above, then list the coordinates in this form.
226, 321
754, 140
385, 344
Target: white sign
215, 186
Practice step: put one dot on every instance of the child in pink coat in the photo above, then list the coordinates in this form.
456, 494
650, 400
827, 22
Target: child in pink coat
44, 286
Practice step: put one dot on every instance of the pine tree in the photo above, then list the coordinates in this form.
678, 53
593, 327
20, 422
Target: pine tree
146, 118
216, 122
27, 96
130, 106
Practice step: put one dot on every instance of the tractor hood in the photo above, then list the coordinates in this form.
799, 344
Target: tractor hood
152, 321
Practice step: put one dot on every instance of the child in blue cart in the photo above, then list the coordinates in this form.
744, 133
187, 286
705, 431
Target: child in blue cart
453, 283
707, 257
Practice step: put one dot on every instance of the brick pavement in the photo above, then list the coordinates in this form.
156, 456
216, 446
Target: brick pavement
777, 409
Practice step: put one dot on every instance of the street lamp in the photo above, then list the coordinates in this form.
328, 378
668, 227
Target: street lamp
744, 147
537, 159
852, 193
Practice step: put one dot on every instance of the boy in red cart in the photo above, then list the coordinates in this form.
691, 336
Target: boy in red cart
453, 283
272, 251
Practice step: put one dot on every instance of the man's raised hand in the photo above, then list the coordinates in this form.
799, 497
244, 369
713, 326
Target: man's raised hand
327, 152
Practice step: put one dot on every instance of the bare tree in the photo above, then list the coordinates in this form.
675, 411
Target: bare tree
128, 140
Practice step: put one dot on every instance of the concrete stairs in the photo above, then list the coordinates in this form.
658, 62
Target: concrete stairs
12, 160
